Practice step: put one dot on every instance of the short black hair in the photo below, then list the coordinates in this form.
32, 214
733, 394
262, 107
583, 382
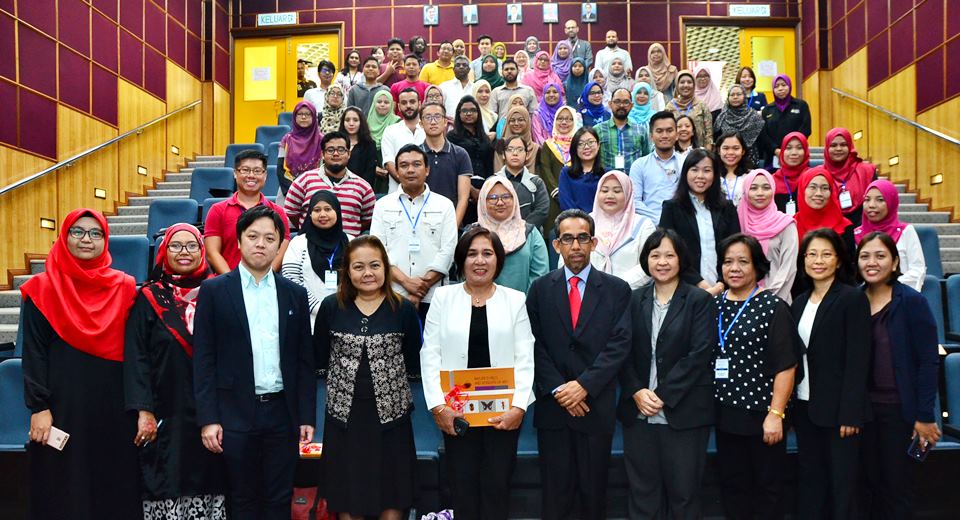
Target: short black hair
713, 198
407, 91
330, 136
844, 265
249, 154
411, 56
663, 114
745, 164
891, 246
251, 215
575, 213
425, 106
655, 239
412, 148
508, 61
328, 64
396, 41
370, 58
466, 240
761, 265
445, 41
484, 37
629, 94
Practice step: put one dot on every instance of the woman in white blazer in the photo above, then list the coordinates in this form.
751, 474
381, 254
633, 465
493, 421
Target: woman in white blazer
479, 324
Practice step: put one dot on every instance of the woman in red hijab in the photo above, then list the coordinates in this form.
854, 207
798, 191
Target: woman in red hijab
73, 322
179, 474
851, 174
794, 160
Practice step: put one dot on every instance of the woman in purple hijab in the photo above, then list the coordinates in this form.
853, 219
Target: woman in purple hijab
786, 114
300, 148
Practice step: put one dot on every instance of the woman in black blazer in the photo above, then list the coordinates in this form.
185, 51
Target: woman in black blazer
902, 386
784, 115
833, 320
698, 200
666, 398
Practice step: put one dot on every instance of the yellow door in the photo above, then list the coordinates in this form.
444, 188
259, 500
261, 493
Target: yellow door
769, 51
265, 72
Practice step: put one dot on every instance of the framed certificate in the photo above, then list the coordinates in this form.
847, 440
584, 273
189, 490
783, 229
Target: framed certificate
480, 393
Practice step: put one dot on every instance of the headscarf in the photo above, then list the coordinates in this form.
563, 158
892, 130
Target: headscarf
614, 229
710, 95
512, 231
560, 65
493, 49
830, 216
489, 116
324, 243
302, 144
615, 82
782, 104
378, 123
890, 224
684, 102
597, 111
531, 55
330, 122
762, 224
538, 79
640, 114
664, 73
573, 85
791, 174
174, 296
742, 119
543, 122
493, 78
526, 59
427, 91
527, 134
853, 173
559, 144
85, 301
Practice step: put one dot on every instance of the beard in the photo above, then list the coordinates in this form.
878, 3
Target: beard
612, 45
621, 113
335, 168
409, 115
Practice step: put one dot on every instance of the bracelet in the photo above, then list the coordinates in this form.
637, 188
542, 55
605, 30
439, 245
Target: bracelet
438, 409
776, 412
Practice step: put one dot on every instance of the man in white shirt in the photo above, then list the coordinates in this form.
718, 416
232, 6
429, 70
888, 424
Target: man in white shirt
606, 55
453, 90
418, 228
317, 95
407, 131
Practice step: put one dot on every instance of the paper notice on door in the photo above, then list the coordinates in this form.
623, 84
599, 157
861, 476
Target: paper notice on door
261, 74
767, 68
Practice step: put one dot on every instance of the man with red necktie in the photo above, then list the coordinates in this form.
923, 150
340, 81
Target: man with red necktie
577, 361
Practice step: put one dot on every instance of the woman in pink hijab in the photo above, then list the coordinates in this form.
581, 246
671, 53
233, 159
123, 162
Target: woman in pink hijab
776, 231
620, 231
881, 202
540, 74
706, 90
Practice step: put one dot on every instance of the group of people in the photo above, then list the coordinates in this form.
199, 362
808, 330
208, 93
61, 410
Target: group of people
620, 268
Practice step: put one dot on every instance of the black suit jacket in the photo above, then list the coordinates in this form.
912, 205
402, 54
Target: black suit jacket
223, 354
685, 347
725, 223
592, 354
838, 356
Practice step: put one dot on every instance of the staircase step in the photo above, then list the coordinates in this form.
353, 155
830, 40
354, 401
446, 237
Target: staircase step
139, 228
928, 217
125, 219
38, 266
21, 279
10, 298
169, 193
913, 208
8, 333
9, 316
908, 198
181, 176
134, 210
174, 185
145, 201
950, 241
951, 268
949, 254
200, 164
209, 158
945, 230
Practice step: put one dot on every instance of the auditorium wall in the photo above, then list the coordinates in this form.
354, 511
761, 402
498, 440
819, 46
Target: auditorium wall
75, 73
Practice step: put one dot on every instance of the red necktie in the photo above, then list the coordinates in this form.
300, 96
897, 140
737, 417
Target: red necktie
574, 300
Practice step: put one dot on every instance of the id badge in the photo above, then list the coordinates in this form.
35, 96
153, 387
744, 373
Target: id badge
846, 201
330, 280
413, 244
722, 369
776, 162
791, 208
619, 162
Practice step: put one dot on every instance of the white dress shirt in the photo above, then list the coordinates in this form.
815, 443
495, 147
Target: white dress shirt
804, 329
708, 241
263, 319
912, 263
453, 91
395, 137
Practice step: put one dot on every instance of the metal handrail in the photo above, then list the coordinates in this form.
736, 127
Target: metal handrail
69, 162
898, 117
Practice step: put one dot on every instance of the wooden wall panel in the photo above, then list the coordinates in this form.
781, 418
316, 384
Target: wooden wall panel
77, 183
937, 156
147, 149
811, 94
888, 138
851, 76
20, 213
15, 165
183, 130
221, 119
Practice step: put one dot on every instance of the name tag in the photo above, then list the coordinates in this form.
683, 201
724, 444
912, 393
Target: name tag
722, 369
795, 111
791, 208
413, 244
330, 280
846, 201
619, 162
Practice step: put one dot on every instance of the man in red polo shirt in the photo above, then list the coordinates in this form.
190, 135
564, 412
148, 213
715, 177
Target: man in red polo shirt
220, 228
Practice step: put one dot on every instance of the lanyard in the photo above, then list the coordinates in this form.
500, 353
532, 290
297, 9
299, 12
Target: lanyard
414, 222
786, 182
753, 95
332, 255
720, 331
730, 194
566, 161
656, 159
675, 105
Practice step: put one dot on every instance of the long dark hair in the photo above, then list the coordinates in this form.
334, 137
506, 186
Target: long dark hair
346, 63
694, 140
576, 167
363, 133
713, 198
346, 292
745, 164
480, 133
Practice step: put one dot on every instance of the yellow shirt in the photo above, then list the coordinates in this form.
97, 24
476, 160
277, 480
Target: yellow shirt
435, 74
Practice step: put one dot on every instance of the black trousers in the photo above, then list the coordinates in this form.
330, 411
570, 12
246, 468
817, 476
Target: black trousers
751, 476
480, 466
261, 463
827, 468
888, 471
573, 465
662, 461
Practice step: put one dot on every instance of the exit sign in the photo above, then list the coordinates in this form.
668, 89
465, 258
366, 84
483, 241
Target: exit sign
268, 19
755, 10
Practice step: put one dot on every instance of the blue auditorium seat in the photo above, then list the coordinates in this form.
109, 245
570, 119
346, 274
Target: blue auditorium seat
426, 435
930, 242
234, 149
206, 178
285, 118
953, 311
934, 295
270, 134
131, 254
14, 415
207, 204
273, 152
272, 187
951, 374
167, 212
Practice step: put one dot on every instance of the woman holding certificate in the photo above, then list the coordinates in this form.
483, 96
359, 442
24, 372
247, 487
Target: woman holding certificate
479, 324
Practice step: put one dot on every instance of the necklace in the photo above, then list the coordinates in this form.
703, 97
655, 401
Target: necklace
476, 298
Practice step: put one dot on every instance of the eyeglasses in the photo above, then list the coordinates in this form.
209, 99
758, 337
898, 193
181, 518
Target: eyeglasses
622, 102
824, 188
826, 255
248, 171
78, 233
504, 198
584, 145
433, 118
582, 238
516, 149
176, 247
565, 119
335, 150
516, 120
468, 111
326, 71
595, 93
335, 93
305, 115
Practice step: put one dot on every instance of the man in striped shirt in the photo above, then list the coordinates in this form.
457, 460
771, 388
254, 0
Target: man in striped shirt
355, 194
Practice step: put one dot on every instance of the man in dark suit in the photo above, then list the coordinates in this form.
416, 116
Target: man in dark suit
253, 371
581, 321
